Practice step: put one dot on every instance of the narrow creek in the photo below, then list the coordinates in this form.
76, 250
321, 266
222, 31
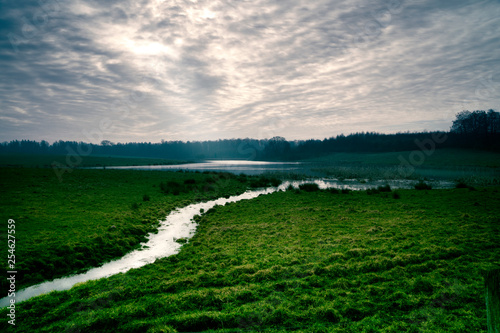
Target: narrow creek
178, 224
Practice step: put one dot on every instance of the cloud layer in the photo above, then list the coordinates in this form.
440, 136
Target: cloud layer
198, 69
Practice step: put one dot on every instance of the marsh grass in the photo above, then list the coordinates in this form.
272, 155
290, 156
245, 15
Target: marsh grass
305, 262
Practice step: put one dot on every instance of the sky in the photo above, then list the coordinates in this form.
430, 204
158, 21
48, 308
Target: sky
152, 70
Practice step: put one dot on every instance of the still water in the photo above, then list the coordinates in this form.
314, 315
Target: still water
234, 166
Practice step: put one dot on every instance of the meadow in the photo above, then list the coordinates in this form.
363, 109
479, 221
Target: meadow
470, 166
92, 216
300, 260
437, 158
47, 161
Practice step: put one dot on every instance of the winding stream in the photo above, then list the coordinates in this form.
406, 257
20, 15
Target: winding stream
178, 224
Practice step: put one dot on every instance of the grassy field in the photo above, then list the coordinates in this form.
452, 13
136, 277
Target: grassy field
92, 216
439, 158
305, 262
474, 167
46, 161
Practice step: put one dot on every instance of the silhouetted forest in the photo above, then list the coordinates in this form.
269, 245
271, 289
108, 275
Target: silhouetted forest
472, 130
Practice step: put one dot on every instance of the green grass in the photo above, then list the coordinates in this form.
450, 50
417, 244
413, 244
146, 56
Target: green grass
303, 261
474, 167
92, 216
438, 158
46, 161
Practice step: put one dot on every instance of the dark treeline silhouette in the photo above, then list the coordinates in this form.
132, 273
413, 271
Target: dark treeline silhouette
477, 129
473, 130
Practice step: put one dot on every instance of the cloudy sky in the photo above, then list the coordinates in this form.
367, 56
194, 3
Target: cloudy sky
149, 70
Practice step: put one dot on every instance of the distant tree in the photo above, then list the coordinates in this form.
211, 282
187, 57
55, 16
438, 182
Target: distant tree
106, 143
477, 129
493, 121
277, 148
478, 123
460, 124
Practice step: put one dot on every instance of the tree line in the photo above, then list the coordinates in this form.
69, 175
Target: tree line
477, 128
474, 130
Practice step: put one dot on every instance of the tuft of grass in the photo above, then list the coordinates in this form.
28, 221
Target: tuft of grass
181, 240
309, 187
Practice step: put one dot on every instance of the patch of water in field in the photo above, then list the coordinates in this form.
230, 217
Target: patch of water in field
354, 184
179, 224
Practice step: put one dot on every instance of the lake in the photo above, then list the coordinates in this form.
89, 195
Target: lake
369, 176
233, 166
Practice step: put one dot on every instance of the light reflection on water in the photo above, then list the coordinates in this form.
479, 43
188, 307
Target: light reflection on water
234, 166
180, 224
320, 170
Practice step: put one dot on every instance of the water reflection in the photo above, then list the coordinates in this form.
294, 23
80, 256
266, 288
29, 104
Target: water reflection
234, 166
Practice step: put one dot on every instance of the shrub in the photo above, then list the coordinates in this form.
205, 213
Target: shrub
461, 184
345, 191
422, 186
145, 197
263, 181
396, 195
334, 190
309, 187
135, 206
172, 187
385, 188
190, 181
259, 182
242, 178
275, 182
209, 188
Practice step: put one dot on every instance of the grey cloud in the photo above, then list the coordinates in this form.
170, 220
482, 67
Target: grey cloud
319, 67
119, 15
